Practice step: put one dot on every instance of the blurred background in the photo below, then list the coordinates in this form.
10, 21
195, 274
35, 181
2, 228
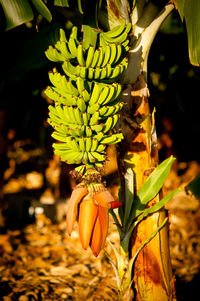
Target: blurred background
34, 185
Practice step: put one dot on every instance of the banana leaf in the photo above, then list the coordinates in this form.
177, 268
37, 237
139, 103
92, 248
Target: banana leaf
16, 12
190, 13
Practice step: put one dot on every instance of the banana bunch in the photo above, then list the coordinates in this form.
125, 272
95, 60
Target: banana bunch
86, 97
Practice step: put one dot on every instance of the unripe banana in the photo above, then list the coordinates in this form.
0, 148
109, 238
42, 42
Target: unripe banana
116, 31
86, 97
81, 142
95, 94
80, 55
88, 143
101, 148
107, 55
94, 144
95, 58
95, 117
81, 104
115, 138
104, 93
101, 57
108, 124
90, 55
72, 46
97, 127
92, 109
88, 131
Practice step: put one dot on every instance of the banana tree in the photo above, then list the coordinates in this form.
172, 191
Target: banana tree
101, 97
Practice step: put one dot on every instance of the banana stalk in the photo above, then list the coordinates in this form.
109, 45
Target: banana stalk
152, 274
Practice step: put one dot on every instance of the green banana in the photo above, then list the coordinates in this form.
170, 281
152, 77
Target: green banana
80, 55
83, 71
62, 36
115, 138
113, 54
99, 157
78, 115
103, 110
103, 73
88, 131
72, 46
106, 55
88, 143
80, 82
81, 143
91, 72
59, 137
97, 127
94, 144
74, 145
81, 104
95, 58
95, 94
85, 118
104, 93
101, 148
101, 57
97, 73
86, 97
92, 109
95, 117
90, 55
119, 53
108, 125
116, 31
69, 69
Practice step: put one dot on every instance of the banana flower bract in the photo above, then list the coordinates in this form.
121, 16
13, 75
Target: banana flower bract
90, 203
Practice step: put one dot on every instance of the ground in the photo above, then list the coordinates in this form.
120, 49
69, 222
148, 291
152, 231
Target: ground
39, 261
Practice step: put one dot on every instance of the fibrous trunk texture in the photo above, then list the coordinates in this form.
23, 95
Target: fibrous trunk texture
152, 273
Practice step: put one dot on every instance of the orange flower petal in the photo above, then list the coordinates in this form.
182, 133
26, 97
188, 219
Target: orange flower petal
104, 221
96, 240
76, 197
87, 216
104, 198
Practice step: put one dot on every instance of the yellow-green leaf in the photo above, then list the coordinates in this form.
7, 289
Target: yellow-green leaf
42, 9
189, 11
16, 12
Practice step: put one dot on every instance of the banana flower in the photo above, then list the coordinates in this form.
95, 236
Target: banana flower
90, 203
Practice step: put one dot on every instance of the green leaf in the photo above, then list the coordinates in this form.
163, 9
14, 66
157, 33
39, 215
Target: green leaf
158, 205
63, 3
16, 12
190, 12
42, 9
194, 187
145, 213
151, 187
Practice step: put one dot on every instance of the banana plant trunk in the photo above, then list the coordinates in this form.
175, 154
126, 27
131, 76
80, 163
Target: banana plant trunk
152, 273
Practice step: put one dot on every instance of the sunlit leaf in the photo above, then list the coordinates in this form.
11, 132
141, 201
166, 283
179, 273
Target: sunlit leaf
16, 12
158, 205
151, 187
190, 13
63, 3
42, 9
144, 214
